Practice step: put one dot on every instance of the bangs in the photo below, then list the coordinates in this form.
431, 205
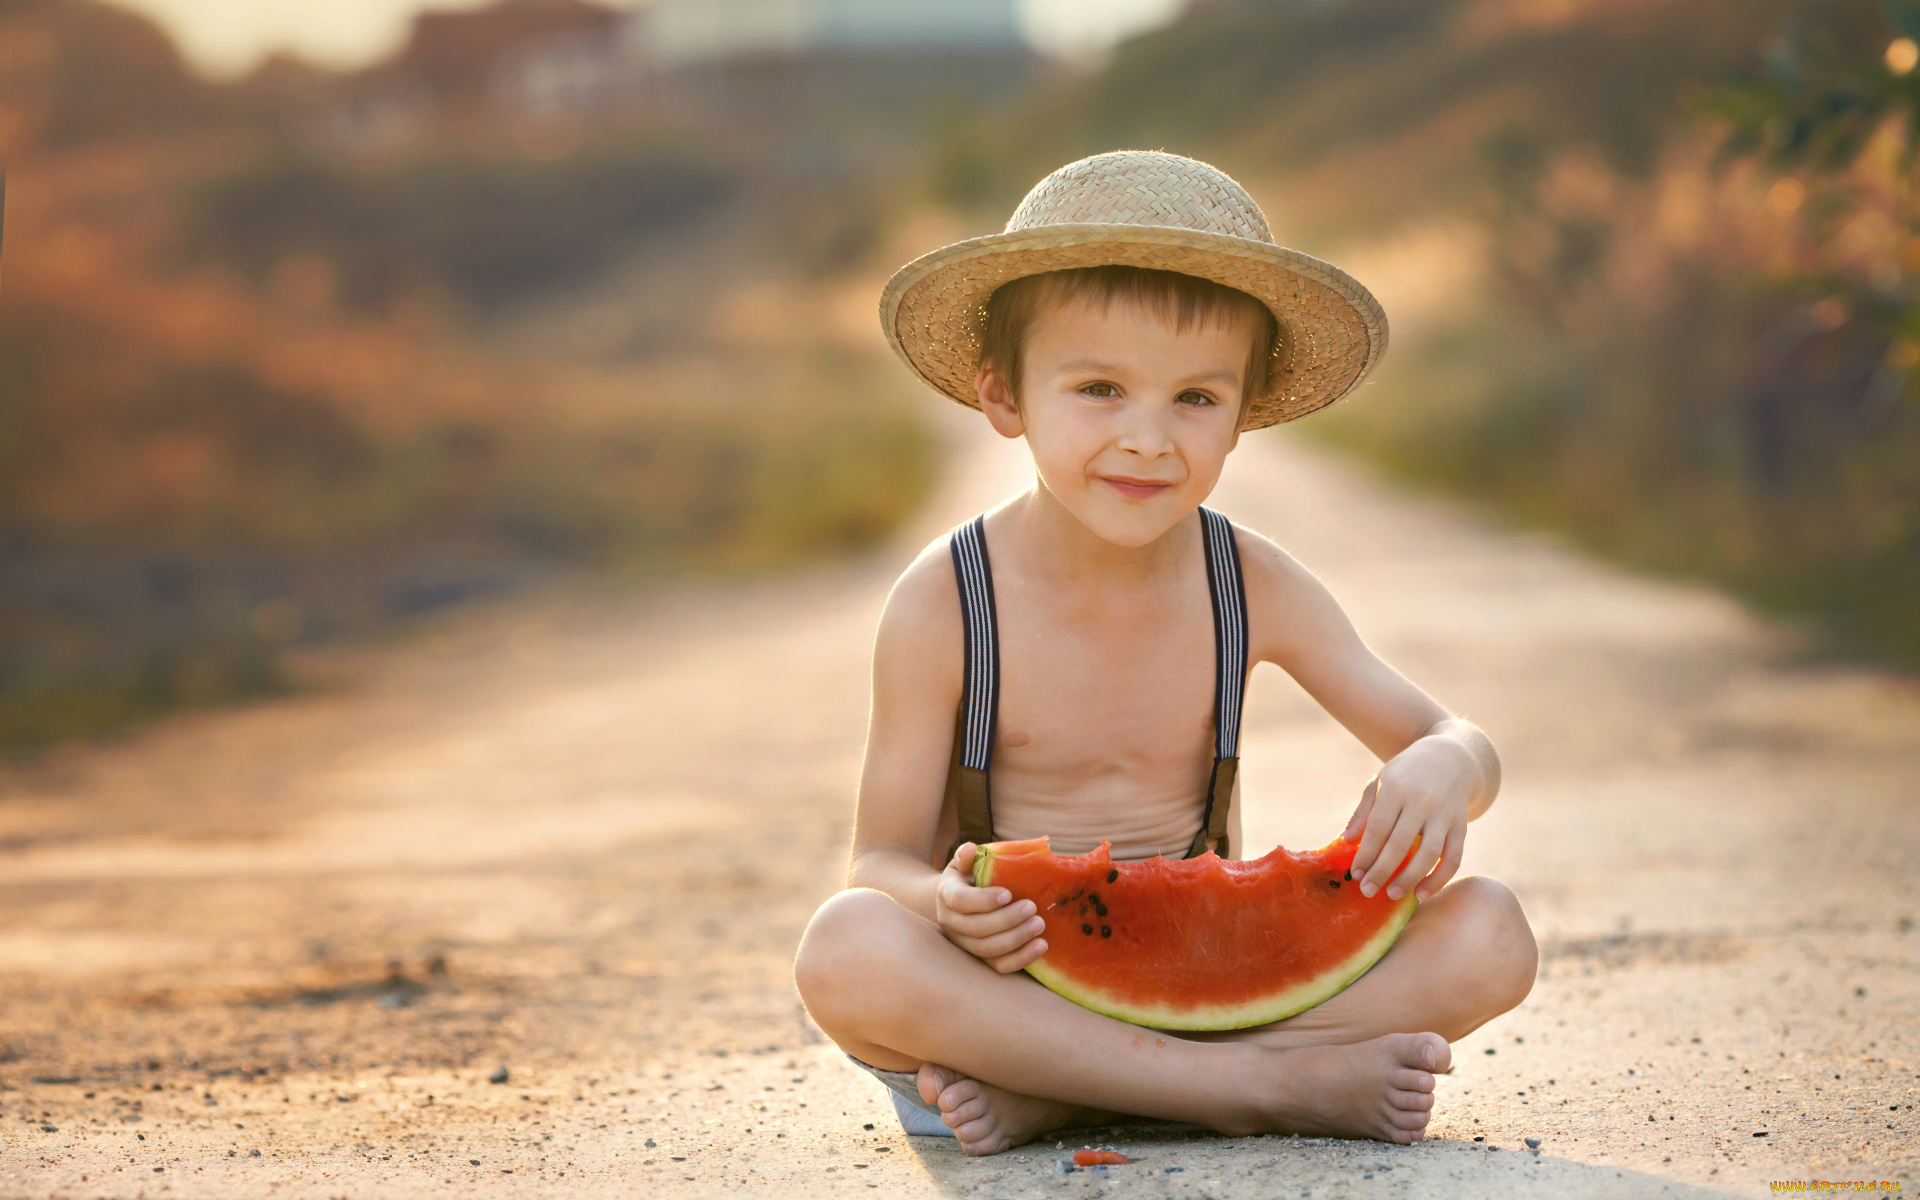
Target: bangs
1180, 301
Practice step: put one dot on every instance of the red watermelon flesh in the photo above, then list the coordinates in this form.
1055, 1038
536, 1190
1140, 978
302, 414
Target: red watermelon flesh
1197, 943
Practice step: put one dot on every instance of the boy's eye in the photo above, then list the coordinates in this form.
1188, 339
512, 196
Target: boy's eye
1196, 399
1100, 389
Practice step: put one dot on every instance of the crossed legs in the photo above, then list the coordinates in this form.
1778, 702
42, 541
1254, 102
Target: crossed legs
1007, 1060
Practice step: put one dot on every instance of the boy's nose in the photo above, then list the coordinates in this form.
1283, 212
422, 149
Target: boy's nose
1143, 431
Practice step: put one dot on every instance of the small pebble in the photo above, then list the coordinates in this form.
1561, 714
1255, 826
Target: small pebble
50, 1129
1489, 1049
649, 1143
1480, 1139
474, 1161
1760, 1133
499, 1074
254, 1153
1171, 1170
1533, 1143
868, 1125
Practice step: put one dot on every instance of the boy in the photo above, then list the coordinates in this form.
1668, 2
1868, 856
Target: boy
1131, 321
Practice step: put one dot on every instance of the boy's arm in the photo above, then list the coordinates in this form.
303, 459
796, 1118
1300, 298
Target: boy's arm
917, 679
1440, 771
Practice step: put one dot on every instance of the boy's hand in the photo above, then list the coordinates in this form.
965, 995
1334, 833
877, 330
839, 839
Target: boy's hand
1421, 794
984, 921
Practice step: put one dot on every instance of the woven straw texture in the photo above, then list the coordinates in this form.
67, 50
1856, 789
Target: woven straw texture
1142, 208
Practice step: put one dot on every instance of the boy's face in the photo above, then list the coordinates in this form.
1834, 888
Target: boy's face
1129, 422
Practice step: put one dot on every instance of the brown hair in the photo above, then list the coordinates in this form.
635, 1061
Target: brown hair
1185, 301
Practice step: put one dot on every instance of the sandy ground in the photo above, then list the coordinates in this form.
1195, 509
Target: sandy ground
280, 951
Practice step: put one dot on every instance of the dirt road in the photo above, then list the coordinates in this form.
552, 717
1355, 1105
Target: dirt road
280, 951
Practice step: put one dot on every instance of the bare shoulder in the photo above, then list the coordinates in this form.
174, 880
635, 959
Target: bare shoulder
1288, 608
920, 637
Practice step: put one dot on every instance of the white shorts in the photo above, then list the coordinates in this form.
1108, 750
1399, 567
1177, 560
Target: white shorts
917, 1117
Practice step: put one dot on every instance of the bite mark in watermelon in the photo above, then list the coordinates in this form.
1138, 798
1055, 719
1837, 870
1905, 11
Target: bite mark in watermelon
1197, 943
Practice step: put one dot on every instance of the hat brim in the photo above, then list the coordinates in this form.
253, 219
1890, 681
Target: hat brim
1332, 331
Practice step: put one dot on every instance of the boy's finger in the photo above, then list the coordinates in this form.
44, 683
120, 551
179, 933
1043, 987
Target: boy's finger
1391, 855
1005, 942
1020, 959
1432, 841
963, 858
965, 898
981, 925
1449, 863
1381, 819
1358, 821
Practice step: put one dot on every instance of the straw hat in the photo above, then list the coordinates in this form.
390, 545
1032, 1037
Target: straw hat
1142, 208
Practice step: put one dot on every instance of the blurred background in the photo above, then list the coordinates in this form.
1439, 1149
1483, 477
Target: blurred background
321, 317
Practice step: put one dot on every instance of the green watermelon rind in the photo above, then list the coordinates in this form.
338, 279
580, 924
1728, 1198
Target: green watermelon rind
1217, 1018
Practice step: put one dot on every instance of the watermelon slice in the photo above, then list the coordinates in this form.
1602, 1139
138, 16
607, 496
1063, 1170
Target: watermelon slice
1197, 943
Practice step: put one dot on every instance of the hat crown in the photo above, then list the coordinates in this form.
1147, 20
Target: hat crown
1142, 187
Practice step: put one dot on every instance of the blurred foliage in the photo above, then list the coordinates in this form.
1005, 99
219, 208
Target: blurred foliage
1687, 332
1820, 101
83, 74
150, 516
262, 390
1276, 87
1838, 121
491, 230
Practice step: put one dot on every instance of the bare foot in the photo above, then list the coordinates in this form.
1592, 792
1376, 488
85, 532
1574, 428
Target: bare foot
1379, 1089
987, 1119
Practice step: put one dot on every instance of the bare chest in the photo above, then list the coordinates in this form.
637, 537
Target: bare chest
1106, 723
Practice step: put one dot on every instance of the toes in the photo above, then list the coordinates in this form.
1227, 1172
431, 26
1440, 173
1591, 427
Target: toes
1410, 1101
1407, 1079
933, 1079
971, 1109
979, 1136
957, 1093
1433, 1051
1407, 1119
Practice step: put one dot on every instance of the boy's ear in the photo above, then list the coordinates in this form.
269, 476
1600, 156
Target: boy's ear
997, 401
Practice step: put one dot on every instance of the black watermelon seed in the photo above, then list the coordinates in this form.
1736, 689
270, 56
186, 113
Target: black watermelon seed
1113, 875
1087, 929
1093, 898
1106, 931
1334, 882
1349, 872
1101, 909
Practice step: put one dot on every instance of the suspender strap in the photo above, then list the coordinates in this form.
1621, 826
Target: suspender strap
968, 786
1227, 589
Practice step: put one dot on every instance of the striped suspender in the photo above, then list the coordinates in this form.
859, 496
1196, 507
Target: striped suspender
1227, 587
969, 786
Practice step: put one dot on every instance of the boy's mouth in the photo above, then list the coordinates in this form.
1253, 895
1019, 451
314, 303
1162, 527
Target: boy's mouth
1136, 489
